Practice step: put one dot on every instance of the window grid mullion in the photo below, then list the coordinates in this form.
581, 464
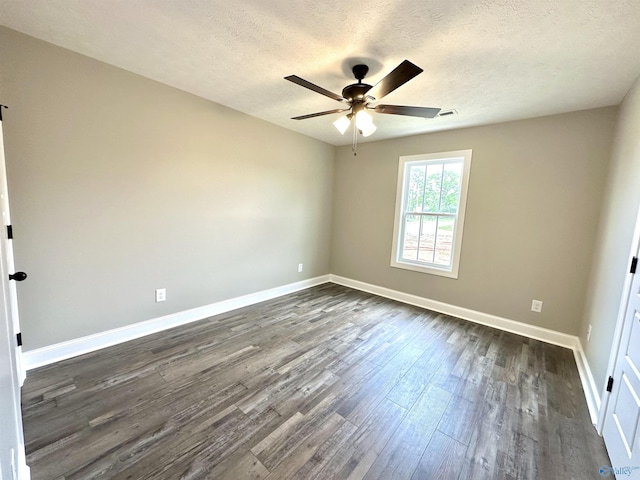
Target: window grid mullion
440, 196
419, 237
443, 214
424, 187
435, 241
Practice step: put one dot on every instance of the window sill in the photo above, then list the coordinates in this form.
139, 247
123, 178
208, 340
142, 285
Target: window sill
441, 272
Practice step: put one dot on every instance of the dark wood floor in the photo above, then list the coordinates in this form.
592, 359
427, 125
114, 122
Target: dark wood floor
326, 383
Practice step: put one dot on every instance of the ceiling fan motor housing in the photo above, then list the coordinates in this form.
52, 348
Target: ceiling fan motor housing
356, 93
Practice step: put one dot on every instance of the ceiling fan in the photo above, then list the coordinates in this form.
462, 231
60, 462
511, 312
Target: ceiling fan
357, 98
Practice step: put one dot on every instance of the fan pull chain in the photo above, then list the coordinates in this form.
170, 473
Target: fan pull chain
354, 145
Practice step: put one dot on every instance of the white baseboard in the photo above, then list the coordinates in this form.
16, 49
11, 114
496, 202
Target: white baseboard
519, 328
79, 346
589, 386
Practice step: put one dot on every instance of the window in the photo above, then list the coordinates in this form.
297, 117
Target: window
430, 201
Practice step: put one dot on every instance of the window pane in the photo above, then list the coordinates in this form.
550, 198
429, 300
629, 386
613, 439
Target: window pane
427, 238
432, 190
444, 241
416, 188
451, 188
410, 240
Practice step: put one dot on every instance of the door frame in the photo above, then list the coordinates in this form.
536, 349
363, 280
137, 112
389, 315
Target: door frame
7, 252
617, 335
9, 326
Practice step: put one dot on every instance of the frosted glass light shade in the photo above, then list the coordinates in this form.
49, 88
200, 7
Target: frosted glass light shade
342, 124
364, 123
368, 129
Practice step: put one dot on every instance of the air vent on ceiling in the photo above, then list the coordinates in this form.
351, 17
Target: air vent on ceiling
446, 113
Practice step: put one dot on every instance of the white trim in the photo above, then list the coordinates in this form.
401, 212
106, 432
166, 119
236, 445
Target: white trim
79, 346
588, 383
531, 331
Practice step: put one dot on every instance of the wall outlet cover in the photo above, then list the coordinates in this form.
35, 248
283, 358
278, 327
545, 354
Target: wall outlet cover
536, 306
161, 295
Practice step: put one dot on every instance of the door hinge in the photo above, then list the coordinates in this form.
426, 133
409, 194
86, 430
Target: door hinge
9, 232
610, 384
19, 339
634, 264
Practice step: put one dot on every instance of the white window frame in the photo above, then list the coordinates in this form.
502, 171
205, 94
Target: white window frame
398, 225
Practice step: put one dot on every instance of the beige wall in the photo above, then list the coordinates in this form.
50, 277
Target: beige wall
120, 185
532, 211
610, 261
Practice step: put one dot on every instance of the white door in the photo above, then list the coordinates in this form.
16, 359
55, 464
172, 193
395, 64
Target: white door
12, 456
622, 422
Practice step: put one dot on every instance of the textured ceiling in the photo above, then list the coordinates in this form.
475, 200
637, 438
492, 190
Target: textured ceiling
491, 60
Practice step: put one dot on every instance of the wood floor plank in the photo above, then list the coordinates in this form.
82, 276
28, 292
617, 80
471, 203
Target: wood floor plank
459, 419
400, 456
357, 407
287, 466
361, 449
442, 460
323, 416
482, 456
284, 430
325, 383
325, 452
239, 465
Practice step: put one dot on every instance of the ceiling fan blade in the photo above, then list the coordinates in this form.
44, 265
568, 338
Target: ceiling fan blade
303, 83
401, 75
424, 112
319, 114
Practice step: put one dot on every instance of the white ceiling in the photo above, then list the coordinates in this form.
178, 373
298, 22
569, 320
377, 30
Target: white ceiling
491, 60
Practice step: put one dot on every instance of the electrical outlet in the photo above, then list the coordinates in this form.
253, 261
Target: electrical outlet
161, 295
536, 306
589, 334
299, 267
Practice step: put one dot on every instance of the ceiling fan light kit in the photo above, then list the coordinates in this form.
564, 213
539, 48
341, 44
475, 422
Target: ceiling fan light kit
343, 123
358, 96
364, 123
